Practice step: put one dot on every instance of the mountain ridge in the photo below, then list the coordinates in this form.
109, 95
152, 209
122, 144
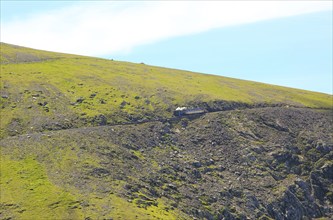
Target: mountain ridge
63, 55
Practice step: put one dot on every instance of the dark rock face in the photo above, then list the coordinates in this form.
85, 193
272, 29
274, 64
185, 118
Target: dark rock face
99, 120
247, 164
80, 100
291, 207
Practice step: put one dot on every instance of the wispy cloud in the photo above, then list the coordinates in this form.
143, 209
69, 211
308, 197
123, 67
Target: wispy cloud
106, 27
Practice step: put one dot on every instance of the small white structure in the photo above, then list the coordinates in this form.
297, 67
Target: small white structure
181, 108
188, 111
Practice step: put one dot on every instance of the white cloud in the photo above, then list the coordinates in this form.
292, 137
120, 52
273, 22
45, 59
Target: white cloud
106, 27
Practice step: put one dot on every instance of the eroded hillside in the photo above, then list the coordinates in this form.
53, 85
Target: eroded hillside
259, 163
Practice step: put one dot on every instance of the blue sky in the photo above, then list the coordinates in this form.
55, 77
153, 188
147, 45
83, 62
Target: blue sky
294, 51
277, 42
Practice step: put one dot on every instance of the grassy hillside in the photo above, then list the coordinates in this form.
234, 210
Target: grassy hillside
57, 163
45, 91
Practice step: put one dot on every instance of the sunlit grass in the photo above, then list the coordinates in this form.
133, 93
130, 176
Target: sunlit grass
47, 90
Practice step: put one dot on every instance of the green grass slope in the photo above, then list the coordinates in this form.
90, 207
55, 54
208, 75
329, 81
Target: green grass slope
43, 90
28, 193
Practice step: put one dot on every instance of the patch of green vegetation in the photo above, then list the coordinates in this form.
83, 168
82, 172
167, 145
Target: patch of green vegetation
27, 193
282, 187
115, 207
138, 154
17, 54
144, 201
